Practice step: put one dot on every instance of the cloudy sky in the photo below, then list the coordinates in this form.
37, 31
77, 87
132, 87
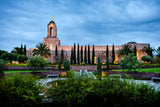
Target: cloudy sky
98, 22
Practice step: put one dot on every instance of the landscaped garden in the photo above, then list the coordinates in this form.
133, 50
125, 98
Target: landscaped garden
26, 88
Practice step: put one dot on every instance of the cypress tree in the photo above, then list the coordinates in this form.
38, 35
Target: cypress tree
135, 51
113, 54
21, 50
25, 50
81, 54
85, 55
74, 53
56, 54
107, 57
99, 70
107, 52
89, 61
59, 64
71, 58
93, 55
62, 57
78, 54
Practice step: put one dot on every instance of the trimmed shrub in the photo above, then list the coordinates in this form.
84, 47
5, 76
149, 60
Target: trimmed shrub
70, 74
20, 90
37, 62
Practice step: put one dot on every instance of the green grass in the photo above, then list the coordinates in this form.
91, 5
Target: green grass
21, 71
154, 70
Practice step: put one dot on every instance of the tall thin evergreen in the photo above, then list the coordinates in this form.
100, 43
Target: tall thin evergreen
24, 50
59, 64
107, 52
78, 55
81, 54
107, 57
56, 54
85, 55
89, 61
99, 70
62, 57
113, 54
71, 58
74, 53
93, 55
135, 51
21, 50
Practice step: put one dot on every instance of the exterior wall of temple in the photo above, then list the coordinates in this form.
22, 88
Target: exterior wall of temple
52, 41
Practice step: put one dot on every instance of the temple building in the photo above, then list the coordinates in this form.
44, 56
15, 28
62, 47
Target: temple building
52, 41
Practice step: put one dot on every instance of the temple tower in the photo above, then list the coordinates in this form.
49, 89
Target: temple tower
51, 40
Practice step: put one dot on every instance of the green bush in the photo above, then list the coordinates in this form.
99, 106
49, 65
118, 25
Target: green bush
147, 58
1, 68
37, 62
107, 92
130, 62
20, 90
21, 58
70, 74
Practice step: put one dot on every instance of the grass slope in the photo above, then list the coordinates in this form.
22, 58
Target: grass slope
154, 70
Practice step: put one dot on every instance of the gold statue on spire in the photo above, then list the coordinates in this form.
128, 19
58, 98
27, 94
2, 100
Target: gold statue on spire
52, 17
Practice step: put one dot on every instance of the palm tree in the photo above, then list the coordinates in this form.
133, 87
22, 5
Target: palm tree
16, 50
126, 49
148, 50
42, 50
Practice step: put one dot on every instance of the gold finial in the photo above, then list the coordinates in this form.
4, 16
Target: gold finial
52, 17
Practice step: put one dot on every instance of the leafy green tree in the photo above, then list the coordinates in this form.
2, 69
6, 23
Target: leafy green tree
74, 53
37, 62
59, 64
130, 62
89, 61
78, 55
42, 50
85, 55
8, 57
113, 54
93, 55
21, 58
99, 70
2, 51
1, 67
62, 57
81, 54
126, 49
147, 58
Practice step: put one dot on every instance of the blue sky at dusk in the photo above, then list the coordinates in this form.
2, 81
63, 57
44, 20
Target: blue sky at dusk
98, 22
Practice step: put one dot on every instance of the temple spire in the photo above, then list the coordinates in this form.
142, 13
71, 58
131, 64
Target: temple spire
52, 17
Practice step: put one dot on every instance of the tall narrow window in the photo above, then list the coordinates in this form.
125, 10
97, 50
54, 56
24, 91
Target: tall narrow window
52, 32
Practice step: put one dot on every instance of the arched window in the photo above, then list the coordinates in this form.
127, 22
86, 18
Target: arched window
52, 32
50, 46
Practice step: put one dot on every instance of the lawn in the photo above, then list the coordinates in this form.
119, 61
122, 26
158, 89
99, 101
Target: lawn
155, 70
21, 71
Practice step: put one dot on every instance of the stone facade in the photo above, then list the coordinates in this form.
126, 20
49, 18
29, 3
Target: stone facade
52, 40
